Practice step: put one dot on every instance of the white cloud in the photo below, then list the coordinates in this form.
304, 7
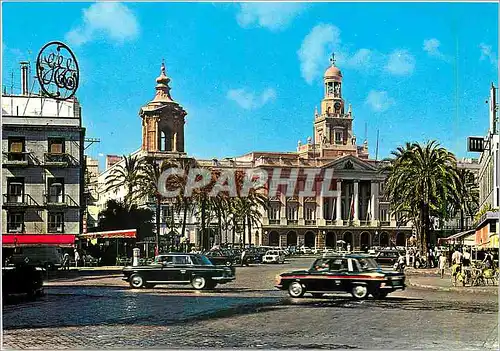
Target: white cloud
248, 100
315, 47
400, 63
274, 16
431, 46
488, 54
379, 101
105, 19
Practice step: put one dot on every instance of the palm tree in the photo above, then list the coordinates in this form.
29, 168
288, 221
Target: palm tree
126, 175
468, 200
420, 179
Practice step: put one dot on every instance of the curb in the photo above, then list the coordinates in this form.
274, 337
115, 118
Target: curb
468, 290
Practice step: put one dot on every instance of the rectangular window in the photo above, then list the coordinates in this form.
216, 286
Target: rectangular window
274, 212
55, 222
291, 212
15, 222
493, 227
56, 145
16, 148
310, 212
15, 190
338, 137
56, 190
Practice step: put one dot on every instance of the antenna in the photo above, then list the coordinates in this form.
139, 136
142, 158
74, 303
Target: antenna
376, 148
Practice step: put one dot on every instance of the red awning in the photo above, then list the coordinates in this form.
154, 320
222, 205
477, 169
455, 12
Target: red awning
120, 234
13, 240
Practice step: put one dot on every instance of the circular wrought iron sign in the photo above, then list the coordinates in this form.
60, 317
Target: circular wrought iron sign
57, 71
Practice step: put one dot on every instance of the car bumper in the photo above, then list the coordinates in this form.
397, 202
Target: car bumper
223, 280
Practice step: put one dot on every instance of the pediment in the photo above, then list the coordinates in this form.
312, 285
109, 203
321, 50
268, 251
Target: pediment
350, 163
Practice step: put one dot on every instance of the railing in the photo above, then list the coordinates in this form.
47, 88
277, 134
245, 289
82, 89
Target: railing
364, 223
60, 200
274, 221
347, 223
310, 221
19, 200
385, 223
58, 159
16, 227
19, 158
330, 222
292, 221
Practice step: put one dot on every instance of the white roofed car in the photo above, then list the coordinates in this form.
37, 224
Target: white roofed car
274, 256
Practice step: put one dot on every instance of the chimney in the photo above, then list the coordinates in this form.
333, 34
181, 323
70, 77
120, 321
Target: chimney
24, 78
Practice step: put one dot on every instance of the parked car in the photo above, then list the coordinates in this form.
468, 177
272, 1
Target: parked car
305, 250
222, 257
49, 257
387, 257
274, 256
179, 268
353, 273
22, 279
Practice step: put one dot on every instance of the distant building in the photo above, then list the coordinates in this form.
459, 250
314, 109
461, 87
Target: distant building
487, 229
358, 214
42, 173
91, 216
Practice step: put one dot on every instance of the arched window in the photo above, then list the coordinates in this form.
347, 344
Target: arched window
166, 139
163, 140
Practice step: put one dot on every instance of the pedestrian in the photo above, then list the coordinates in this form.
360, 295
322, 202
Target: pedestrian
77, 257
65, 262
456, 258
243, 254
348, 247
442, 265
488, 260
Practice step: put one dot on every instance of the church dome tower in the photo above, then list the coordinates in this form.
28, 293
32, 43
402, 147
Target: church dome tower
163, 120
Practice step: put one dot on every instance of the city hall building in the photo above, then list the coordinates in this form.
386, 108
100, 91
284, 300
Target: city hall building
357, 214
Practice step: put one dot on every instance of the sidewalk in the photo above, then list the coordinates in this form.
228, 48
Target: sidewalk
445, 284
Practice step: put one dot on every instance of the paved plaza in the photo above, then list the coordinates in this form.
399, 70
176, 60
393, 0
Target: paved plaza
100, 312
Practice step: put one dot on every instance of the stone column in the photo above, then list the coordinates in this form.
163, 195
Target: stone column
320, 218
356, 202
373, 202
283, 210
300, 210
338, 210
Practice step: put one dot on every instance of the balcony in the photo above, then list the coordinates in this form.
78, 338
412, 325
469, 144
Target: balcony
292, 221
364, 223
274, 221
385, 223
63, 200
58, 159
18, 159
22, 200
15, 227
310, 222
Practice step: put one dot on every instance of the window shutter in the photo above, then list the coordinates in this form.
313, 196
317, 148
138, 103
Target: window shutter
16, 146
56, 148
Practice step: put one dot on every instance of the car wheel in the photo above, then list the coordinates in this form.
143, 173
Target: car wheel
295, 289
359, 292
379, 294
317, 295
136, 281
199, 283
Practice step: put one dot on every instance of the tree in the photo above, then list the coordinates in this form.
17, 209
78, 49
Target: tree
420, 179
118, 216
126, 175
468, 199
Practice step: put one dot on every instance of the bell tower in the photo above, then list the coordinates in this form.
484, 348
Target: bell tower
332, 125
163, 120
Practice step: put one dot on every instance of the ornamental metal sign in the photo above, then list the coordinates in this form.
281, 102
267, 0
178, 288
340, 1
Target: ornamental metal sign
57, 71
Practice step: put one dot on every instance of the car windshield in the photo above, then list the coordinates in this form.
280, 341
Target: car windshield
367, 263
201, 260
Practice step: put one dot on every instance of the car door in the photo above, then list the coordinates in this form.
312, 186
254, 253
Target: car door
182, 269
165, 273
339, 271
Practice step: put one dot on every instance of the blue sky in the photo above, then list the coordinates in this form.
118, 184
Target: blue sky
249, 74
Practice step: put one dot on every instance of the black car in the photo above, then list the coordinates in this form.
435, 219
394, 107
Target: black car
354, 273
22, 279
387, 257
222, 257
179, 268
